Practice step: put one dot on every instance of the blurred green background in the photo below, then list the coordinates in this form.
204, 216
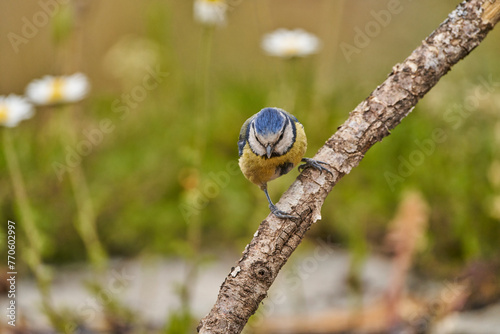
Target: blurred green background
149, 179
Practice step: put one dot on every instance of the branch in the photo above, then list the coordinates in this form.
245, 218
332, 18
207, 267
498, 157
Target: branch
275, 240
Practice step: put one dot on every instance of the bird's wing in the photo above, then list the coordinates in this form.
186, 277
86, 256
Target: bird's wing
242, 139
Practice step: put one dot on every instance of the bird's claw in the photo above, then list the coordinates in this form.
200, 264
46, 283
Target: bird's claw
316, 164
280, 214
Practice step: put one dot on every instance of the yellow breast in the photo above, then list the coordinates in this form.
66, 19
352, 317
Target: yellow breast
261, 170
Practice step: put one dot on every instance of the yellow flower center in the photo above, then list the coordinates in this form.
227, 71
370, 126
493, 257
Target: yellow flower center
3, 113
220, 1
291, 51
57, 90
291, 48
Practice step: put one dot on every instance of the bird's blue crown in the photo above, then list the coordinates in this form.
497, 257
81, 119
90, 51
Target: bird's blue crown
269, 120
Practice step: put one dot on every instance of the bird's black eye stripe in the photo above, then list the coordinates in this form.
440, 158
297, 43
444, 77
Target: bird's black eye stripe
281, 136
283, 130
256, 137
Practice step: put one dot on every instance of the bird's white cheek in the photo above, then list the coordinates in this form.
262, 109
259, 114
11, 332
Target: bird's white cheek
286, 142
255, 145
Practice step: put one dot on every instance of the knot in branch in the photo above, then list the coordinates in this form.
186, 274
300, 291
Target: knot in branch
261, 271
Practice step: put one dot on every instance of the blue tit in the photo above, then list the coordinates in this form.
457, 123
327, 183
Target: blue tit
271, 143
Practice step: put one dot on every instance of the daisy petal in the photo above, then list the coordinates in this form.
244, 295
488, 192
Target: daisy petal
14, 109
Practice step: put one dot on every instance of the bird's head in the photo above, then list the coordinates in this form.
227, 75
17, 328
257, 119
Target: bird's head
271, 133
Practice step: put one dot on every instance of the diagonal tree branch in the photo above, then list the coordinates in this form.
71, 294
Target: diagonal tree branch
275, 240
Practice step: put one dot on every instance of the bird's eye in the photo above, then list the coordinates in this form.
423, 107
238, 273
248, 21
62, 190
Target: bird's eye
281, 136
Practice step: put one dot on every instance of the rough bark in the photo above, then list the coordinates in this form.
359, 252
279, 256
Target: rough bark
275, 240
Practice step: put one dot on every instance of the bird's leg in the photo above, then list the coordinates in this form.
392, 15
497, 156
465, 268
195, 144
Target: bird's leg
278, 213
316, 164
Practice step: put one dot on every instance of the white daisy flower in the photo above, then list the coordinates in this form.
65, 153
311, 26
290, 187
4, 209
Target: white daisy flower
290, 43
14, 109
210, 12
62, 89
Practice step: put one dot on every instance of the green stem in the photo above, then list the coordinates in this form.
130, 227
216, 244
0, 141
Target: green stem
203, 125
25, 211
202, 131
292, 85
85, 224
29, 228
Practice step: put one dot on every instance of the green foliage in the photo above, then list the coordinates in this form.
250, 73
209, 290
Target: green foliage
180, 323
150, 179
62, 25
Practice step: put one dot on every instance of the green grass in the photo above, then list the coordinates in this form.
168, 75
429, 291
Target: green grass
160, 157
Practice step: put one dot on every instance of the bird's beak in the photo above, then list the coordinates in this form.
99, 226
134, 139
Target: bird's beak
269, 150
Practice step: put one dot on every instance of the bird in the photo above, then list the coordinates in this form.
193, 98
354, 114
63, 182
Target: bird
271, 143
